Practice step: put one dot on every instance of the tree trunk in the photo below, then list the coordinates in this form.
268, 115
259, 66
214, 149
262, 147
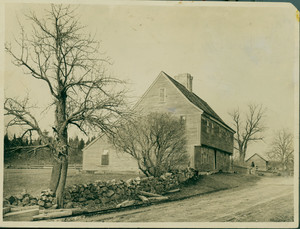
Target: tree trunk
55, 175
62, 182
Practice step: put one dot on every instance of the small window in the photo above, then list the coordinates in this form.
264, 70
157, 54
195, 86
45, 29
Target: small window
182, 119
217, 130
104, 158
207, 126
162, 95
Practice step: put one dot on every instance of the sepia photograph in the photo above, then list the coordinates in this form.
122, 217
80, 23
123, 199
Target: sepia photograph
149, 114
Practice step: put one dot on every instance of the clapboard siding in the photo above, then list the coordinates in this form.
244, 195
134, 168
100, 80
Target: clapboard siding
117, 161
176, 104
258, 161
181, 103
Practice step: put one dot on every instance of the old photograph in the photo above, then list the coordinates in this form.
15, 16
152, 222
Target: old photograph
150, 114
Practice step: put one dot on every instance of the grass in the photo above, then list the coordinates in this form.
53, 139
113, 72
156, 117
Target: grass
219, 181
36, 180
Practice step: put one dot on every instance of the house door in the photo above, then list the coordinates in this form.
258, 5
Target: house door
215, 154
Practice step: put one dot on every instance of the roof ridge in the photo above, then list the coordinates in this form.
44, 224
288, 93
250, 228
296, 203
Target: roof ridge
196, 100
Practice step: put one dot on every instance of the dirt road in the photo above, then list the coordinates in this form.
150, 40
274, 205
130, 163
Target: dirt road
271, 199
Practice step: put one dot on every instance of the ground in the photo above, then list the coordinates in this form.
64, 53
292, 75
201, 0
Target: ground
244, 198
270, 199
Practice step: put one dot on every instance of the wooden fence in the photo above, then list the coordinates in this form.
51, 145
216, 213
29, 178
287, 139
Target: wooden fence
28, 166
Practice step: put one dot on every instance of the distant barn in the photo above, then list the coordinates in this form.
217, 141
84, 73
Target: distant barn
258, 161
209, 138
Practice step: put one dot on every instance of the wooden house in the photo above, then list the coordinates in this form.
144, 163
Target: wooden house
257, 161
209, 138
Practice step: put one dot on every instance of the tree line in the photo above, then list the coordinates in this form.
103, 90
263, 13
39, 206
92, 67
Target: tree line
18, 150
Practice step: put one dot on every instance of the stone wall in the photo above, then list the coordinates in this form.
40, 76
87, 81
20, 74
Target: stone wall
105, 194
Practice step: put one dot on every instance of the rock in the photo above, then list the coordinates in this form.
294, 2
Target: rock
69, 205
97, 201
41, 203
90, 203
129, 182
82, 199
48, 205
6, 203
54, 206
12, 199
26, 201
104, 200
110, 193
19, 197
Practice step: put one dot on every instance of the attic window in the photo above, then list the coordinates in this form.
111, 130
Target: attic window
182, 118
104, 158
162, 94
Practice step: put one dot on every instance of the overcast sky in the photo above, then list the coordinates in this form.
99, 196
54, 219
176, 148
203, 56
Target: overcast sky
237, 55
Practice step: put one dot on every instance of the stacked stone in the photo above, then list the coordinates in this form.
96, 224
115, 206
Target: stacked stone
103, 194
47, 199
21, 200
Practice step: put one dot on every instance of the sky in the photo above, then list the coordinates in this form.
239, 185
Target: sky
237, 55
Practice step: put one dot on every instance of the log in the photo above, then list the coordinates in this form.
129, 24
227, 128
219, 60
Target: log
158, 198
126, 203
149, 194
26, 215
16, 209
76, 211
6, 210
52, 215
174, 190
46, 211
143, 198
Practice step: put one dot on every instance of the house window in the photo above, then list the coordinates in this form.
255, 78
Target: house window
104, 158
162, 95
217, 130
207, 126
182, 119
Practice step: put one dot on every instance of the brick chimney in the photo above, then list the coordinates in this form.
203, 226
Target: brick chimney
186, 80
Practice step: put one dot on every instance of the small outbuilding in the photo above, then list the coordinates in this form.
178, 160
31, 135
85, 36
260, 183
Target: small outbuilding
258, 161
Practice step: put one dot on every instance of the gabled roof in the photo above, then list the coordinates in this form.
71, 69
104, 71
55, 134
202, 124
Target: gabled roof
190, 96
257, 155
197, 101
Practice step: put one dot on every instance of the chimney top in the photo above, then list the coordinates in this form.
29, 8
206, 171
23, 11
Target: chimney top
186, 80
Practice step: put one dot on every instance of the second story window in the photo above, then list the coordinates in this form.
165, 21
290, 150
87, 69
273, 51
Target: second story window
162, 94
207, 126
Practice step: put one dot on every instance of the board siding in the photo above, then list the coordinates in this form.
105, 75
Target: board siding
117, 161
176, 104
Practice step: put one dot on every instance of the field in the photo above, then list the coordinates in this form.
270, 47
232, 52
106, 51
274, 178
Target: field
36, 180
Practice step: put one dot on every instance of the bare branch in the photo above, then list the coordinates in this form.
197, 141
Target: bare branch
247, 131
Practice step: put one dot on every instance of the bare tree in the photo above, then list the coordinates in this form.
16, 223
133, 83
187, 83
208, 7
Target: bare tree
59, 53
282, 148
157, 141
249, 128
